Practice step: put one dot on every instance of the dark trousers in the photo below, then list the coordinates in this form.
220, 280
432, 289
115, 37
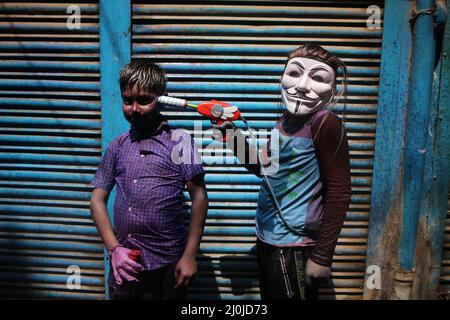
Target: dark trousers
156, 284
291, 284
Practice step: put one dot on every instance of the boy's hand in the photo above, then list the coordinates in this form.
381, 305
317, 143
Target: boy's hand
185, 271
314, 270
123, 267
223, 127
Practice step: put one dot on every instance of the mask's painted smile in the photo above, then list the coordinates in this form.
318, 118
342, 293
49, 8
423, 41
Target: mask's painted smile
307, 85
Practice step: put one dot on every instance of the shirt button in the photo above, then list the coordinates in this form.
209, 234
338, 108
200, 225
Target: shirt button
142, 155
130, 209
135, 181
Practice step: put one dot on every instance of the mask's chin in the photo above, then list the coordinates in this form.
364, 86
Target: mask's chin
299, 108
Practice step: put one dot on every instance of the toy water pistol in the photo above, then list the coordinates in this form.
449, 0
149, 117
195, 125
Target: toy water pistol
217, 111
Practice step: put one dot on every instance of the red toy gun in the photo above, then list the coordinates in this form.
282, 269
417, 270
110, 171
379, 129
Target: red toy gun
217, 111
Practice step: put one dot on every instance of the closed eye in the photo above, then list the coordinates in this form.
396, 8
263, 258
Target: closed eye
127, 101
144, 100
294, 74
318, 78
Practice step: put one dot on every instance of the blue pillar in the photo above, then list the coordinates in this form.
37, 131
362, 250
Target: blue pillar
115, 52
433, 207
418, 120
387, 183
406, 220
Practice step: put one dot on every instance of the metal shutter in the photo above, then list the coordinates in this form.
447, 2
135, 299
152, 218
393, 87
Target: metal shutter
49, 149
235, 51
445, 271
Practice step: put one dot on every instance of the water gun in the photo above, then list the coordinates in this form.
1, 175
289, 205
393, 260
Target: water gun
217, 111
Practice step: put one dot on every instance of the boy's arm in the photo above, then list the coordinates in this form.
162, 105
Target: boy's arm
101, 219
242, 149
336, 178
186, 268
122, 266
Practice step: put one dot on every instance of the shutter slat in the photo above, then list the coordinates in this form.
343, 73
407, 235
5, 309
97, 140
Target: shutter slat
50, 146
235, 52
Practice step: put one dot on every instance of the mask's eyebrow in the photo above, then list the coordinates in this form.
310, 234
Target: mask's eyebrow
320, 68
298, 64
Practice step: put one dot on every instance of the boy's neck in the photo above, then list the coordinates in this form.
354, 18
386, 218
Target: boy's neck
293, 123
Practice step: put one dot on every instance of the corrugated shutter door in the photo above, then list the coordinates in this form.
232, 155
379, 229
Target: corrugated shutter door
49, 149
445, 271
235, 52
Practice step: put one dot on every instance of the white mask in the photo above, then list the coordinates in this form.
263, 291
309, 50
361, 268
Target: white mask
307, 85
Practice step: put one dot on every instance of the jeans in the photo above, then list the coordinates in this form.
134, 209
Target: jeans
282, 273
152, 285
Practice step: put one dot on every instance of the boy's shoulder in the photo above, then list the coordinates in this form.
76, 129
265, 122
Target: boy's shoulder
120, 140
177, 133
170, 135
328, 117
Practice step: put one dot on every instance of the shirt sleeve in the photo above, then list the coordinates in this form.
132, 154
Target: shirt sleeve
105, 176
193, 166
334, 163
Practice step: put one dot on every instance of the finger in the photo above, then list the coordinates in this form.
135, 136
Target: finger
134, 265
187, 281
182, 281
224, 125
179, 281
228, 124
116, 276
177, 276
218, 127
126, 276
130, 270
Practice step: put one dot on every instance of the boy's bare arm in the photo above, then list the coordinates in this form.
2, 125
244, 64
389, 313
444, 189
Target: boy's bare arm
101, 219
199, 208
187, 266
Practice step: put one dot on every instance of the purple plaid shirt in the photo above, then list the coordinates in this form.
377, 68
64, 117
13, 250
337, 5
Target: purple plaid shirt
148, 209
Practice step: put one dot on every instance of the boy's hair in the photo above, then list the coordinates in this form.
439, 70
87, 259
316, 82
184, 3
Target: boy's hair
143, 75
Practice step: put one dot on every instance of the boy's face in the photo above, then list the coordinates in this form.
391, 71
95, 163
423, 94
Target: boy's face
139, 107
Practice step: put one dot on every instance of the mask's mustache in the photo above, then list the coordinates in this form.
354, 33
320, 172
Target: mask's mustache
312, 94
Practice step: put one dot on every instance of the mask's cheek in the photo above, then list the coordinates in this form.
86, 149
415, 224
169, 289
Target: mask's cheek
323, 90
289, 104
287, 81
